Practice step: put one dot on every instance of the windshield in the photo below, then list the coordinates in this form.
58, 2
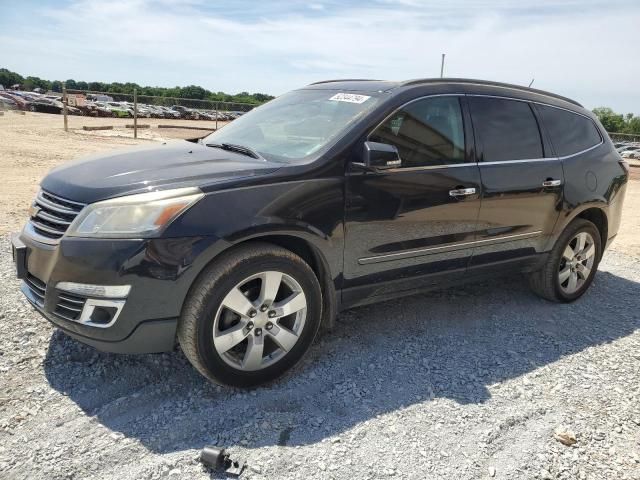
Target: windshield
295, 125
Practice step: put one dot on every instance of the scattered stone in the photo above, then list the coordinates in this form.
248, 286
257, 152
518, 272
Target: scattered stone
564, 436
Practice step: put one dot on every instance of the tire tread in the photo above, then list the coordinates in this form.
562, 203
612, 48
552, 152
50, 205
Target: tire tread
543, 281
197, 298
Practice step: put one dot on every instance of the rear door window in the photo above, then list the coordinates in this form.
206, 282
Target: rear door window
505, 129
570, 133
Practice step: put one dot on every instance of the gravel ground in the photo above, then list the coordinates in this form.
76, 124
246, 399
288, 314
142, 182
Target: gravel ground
469, 383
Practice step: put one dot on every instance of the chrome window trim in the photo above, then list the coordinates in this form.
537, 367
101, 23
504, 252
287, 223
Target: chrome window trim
502, 97
582, 151
550, 106
431, 167
526, 160
504, 87
444, 248
480, 163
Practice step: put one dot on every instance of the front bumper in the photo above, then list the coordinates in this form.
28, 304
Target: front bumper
158, 271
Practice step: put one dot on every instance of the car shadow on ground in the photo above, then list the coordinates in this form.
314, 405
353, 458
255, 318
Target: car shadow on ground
380, 358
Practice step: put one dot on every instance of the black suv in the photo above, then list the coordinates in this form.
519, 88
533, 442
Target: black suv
241, 245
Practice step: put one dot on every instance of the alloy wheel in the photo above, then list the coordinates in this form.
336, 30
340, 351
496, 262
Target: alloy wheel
576, 263
259, 320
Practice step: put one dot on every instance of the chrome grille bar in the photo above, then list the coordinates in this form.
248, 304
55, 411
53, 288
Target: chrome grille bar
51, 216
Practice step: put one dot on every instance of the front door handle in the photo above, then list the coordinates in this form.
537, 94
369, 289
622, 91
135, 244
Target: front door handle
461, 192
551, 183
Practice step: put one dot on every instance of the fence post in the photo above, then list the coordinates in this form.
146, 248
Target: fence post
64, 107
135, 113
217, 113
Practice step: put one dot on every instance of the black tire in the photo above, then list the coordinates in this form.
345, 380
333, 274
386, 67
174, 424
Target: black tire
546, 283
196, 324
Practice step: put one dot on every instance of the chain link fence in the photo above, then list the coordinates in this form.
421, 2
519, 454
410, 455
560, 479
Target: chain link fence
138, 107
625, 137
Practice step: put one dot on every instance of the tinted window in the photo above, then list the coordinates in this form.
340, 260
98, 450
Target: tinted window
506, 129
570, 133
426, 132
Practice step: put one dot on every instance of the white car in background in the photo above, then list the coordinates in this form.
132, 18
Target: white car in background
635, 153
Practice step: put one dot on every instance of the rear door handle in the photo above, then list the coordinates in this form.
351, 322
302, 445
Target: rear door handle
552, 183
461, 192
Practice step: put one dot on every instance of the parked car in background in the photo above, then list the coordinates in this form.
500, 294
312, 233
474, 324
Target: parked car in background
95, 110
8, 104
628, 148
631, 153
44, 105
116, 109
20, 102
186, 113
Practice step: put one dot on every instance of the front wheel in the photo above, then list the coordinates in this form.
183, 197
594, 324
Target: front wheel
251, 316
572, 264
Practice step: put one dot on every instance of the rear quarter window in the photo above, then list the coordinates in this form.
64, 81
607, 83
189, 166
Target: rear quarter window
570, 133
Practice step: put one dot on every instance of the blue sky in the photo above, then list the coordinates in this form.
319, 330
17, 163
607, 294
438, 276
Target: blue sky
587, 49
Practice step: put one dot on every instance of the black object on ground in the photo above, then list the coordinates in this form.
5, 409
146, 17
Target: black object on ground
216, 457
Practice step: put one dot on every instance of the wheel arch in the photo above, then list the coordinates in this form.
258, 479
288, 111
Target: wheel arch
596, 213
302, 247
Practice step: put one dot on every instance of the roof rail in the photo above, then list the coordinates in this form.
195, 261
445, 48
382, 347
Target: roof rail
346, 80
420, 81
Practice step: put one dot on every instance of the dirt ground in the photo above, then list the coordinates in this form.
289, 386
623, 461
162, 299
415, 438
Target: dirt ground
34, 143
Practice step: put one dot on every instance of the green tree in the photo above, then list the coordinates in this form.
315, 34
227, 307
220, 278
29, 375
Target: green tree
56, 86
193, 91
633, 126
9, 78
611, 121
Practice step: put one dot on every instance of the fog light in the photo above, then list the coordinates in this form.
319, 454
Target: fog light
88, 290
101, 313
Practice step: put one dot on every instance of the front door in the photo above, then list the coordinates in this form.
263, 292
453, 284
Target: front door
407, 226
521, 181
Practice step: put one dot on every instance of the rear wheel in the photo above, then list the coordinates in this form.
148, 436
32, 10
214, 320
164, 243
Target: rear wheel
572, 264
251, 316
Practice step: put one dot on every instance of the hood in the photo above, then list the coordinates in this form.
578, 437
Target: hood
171, 165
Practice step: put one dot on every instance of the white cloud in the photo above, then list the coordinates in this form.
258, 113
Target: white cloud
581, 54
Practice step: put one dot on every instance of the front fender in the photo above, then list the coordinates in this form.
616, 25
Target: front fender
308, 210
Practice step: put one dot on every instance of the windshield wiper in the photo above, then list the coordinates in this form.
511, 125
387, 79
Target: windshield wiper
232, 147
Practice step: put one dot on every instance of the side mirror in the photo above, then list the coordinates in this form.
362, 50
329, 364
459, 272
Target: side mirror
380, 156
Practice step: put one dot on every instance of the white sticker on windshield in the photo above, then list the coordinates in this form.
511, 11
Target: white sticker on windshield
350, 97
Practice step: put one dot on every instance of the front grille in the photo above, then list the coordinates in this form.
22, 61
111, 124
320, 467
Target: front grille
53, 215
69, 306
37, 288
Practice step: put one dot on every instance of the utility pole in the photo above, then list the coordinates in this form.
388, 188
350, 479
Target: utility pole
442, 67
135, 113
64, 107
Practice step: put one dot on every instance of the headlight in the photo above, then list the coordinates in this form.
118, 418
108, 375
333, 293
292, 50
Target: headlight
133, 216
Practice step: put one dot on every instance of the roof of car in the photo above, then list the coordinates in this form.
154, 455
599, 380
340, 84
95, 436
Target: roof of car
387, 86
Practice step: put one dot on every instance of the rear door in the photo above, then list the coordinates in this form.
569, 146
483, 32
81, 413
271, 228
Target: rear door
522, 181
